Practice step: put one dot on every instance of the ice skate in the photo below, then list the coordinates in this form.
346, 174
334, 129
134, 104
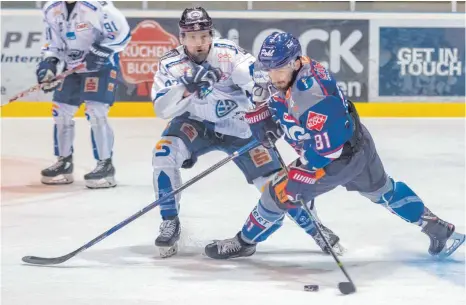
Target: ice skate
230, 248
59, 173
443, 238
167, 241
332, 238
103, 176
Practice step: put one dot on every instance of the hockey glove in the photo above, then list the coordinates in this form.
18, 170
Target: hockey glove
298, 180
200, 77
98, 57
264, 125
46, 72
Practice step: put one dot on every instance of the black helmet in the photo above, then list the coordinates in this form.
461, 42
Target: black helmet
195, 19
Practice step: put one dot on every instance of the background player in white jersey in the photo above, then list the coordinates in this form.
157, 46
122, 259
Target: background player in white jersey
92, 32
203, 85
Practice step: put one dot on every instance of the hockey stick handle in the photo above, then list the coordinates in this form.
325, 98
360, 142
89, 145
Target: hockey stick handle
57, 260
37, 87
311, 215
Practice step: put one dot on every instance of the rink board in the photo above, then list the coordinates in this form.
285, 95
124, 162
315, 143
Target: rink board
145, 109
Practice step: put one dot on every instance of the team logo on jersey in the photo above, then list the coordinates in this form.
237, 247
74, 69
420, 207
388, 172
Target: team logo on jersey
315, 121
224, 107
305, 83
110, 87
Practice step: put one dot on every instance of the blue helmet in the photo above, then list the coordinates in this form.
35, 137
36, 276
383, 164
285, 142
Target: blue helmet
278, 49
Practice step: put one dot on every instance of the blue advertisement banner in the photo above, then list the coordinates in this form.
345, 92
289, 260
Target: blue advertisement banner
423, 61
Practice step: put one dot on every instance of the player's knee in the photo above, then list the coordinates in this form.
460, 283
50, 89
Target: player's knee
261, 182
169, 152
63, 113
96, 113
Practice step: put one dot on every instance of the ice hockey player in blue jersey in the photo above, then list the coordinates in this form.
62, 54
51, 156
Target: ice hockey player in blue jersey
335, 149
202, 86
93, 32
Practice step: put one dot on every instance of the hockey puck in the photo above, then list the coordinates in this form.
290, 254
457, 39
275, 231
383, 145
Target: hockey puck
311, 288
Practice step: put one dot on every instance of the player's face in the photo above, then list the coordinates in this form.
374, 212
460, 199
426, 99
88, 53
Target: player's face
197, 44
282, 77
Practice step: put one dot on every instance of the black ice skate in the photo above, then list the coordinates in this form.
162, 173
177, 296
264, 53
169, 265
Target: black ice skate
230, 248
59, 173
443, 238
332, 239
103, 176
167, 241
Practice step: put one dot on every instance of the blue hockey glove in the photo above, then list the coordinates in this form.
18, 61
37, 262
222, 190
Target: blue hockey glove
46, 72
200, 77
98, 57
264, 125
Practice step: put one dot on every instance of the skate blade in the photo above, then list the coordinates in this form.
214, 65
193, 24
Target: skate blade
58, 180
457, 240
103, 183
166, 252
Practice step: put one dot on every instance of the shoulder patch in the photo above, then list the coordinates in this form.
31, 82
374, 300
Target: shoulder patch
56, 3
305, 83
89, 5
320, 70
226, 46
171, 53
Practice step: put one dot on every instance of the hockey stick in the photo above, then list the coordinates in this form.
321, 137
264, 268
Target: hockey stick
58, 260
344, 287
37, 87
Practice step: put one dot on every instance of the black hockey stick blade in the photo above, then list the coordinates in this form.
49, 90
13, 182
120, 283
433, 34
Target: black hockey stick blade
346, 287
35, 260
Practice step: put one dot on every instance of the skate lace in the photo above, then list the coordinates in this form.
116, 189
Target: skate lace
57, 165
100, 166
167, 228
228, 246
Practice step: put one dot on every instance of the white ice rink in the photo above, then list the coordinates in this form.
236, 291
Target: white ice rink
386, 257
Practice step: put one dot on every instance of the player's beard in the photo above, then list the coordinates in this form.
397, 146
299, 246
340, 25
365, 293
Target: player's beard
199, 54
282, 86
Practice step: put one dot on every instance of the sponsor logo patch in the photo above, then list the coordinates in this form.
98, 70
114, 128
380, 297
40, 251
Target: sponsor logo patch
260, 156
91, 84
315, 121
189, 131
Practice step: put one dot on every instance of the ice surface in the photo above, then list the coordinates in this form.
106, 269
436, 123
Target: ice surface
386, 257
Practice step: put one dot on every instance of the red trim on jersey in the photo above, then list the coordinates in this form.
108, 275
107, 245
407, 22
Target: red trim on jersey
318, 81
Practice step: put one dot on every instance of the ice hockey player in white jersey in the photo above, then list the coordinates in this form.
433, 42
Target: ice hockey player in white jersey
203, 86
93, 32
